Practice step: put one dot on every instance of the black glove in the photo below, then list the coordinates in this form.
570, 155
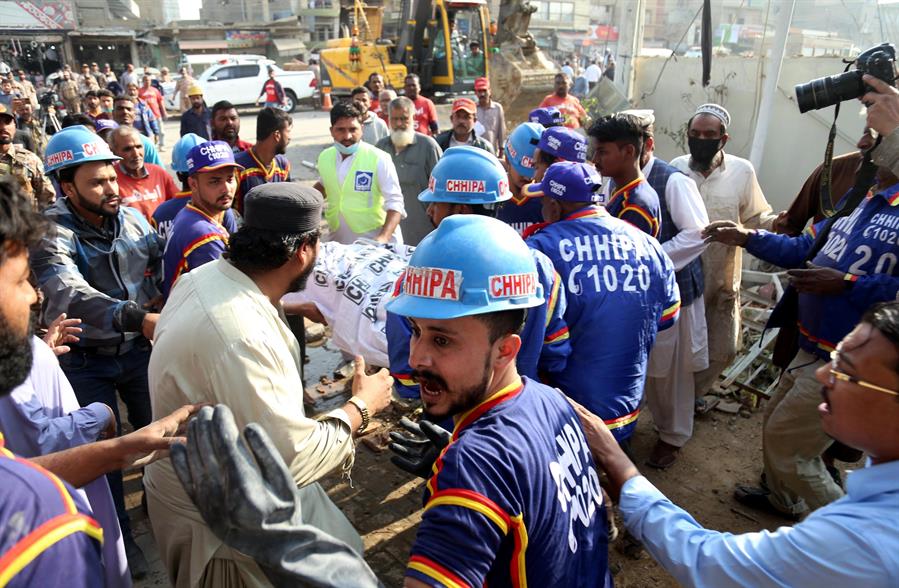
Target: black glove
245, 493
417, 454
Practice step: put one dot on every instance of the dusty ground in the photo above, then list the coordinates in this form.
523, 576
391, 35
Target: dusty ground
384, 503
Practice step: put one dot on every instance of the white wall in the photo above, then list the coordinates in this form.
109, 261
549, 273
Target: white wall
795, 143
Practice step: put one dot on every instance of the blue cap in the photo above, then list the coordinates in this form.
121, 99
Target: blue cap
548, 117
105, 124
209, 156
564, 143
569, 181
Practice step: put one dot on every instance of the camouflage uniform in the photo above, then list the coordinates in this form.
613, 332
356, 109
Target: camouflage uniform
71, 97
38, 134
87, 83
28, 170
26, 89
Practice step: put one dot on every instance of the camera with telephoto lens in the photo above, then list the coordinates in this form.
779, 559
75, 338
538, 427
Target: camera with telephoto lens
877, 61
48, 99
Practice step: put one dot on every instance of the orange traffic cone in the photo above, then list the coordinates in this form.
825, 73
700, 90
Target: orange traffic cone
326, 99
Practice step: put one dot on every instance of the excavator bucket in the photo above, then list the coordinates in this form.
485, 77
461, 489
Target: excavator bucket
520, 75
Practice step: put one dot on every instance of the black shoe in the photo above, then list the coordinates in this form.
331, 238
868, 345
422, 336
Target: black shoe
757, 499
137, 562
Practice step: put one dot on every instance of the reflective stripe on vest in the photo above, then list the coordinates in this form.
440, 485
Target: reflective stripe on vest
358, 200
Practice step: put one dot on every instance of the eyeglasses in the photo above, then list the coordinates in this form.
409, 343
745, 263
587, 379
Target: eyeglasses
836, 374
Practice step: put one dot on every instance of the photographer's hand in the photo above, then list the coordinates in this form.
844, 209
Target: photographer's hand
883, 105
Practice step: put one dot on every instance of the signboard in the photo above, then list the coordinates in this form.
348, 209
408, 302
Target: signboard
37, 15
238, 38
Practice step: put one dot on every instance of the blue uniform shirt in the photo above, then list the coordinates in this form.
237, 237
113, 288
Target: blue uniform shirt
254, 173
514, 500
621, 291
638, 204
521, 213
864, 246
49, 538
164, 216
196, 239
545, 344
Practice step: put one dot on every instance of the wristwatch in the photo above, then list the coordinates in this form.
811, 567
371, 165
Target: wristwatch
363, 410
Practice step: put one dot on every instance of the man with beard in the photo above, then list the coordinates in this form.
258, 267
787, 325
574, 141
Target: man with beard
27, 124
568, 105
57, 540
144, 119
731, 192
854, 269
851, 542
92, 108
23, 165
463, 118
414, 156
124, 114
197, 119
223, 338
198, 235
373, 128
100, 261
265, 162
226, 126
142, 186
506, 480
359, 182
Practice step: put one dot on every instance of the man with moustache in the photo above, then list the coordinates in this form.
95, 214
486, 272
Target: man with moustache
100, 261
223, 338
414, 156
26, 123
373, 128
360, 183
197, 119
142, 186
198, 235
265, 162
375, 85
425, 111
463, 118
226, 126
850, 542
23, 165
513, 500
124, 114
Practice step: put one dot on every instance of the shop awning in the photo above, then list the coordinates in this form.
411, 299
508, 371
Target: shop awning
289, 46
203, 44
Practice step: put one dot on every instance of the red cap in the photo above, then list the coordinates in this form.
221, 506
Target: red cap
466, 104
481, 84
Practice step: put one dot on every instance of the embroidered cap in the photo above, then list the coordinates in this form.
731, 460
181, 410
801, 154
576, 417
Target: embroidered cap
209, 156
569, 181
715, 110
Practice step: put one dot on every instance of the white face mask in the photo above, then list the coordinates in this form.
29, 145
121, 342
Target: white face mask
402, 138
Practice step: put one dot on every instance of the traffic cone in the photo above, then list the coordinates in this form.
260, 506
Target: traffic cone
326, 99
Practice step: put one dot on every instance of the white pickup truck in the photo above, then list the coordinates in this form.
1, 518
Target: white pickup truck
240, 83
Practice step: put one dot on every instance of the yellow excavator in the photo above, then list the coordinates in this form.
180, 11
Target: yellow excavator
434, 41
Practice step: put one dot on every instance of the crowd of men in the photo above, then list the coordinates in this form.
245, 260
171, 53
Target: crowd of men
532, 288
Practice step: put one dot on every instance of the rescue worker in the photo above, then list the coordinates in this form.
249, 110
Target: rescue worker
548, 116
197, 119
620, 291
618, 142
265, 162
468, 180
199, 234
506, 479
23, 165
100, 261
520, 212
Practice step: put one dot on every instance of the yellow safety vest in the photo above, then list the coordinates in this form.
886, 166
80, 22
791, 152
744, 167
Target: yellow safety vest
358, 200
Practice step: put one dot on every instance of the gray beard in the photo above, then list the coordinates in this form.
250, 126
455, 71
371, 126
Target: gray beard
402, 139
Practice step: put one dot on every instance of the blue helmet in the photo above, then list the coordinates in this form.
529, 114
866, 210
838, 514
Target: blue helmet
73, 146
471, 264
182, 148
467, 175
520, 147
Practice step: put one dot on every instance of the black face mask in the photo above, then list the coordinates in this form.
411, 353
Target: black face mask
703, 151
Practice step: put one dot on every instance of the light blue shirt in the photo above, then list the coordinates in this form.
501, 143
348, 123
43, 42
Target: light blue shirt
851, 542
